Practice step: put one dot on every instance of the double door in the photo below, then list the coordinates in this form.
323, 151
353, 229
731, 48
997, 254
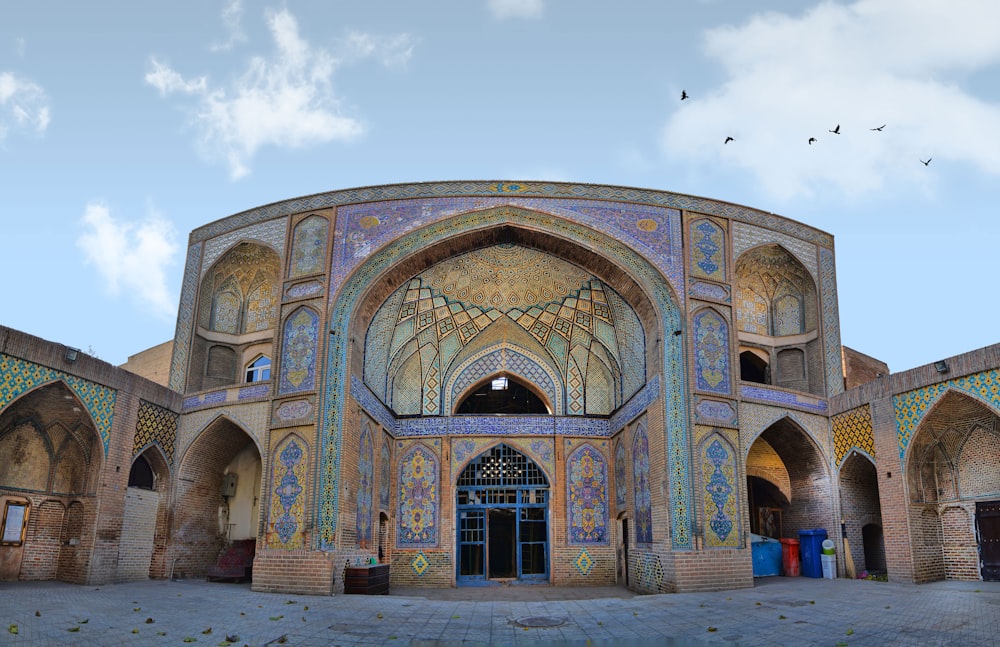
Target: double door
502, 535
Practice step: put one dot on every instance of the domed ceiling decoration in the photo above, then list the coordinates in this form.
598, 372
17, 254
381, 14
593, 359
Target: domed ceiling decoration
579, 343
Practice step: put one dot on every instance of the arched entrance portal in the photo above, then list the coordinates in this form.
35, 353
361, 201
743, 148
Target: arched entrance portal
502, 505
788, 483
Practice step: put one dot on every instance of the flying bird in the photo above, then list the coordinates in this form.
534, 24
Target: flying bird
836, 131
879, 128
684, 95
927, 162
728, 139
811, 140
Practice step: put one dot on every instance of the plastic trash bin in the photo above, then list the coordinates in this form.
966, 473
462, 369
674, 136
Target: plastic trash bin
766, 554
790, 556
829, 548
829, 563
810, 546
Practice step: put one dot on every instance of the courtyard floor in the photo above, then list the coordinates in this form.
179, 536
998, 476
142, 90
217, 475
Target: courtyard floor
777, 611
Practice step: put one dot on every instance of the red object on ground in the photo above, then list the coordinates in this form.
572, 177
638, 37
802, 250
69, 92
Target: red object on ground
790, 557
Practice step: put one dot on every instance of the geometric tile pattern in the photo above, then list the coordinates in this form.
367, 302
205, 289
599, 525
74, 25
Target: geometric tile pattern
288, 482
912, 406
376, 262
652, 231
467, 301
308, 246
584, 562
475, 192
783, 398
711, 337
155, 425
366, 484
420, 563
647, 571
185, 319
621, 488
418, 498
640, 479
748, 236
18, 376
509, 360
831, 323
718, 467
384, 476
708, 249
853, 429
270, 233
587, 496
298, 351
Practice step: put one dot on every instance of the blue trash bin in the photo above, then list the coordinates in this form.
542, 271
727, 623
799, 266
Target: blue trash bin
811, 548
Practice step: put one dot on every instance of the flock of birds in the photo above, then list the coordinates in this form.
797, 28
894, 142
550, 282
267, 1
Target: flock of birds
812, 140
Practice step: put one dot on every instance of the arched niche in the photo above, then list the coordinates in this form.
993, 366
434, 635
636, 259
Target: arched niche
237, 312
217, 489
778, 311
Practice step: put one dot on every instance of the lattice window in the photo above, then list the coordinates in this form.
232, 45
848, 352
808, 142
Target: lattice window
502, 466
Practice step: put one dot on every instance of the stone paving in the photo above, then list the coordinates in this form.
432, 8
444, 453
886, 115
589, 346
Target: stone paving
777, 611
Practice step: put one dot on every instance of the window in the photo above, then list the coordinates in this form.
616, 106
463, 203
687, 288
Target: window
259, 369
15, 522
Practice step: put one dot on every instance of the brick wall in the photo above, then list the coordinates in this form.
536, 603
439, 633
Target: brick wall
41, 544
296, 571
859, 506
135, 549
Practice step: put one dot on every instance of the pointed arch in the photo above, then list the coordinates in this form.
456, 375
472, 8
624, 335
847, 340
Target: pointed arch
299, 351
365, 487
385, 269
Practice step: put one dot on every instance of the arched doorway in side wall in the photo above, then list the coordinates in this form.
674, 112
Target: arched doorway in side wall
142, 551
50, 461
217, 498
788, 483
502, 506
953, 482
861, 512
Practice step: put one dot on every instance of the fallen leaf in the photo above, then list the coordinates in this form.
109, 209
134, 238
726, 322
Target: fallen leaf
38, 614
73, 629
150, 621
207, 631
137, 609
135, 631
712, 629
379, 615
242, 614
276, 617
233, 638
84, 621
161, 633
189, 639
12, 629
290, 602
305, 608
757, 603
782, 618
455, 617
283, 639
850, 632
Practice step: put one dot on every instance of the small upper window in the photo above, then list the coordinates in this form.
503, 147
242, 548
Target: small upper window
259, 369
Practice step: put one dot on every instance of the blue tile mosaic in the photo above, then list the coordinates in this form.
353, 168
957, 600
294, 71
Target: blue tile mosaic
783, 398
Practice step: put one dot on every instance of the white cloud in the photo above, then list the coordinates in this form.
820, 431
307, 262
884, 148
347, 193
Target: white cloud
23, 105
860, 65
232, 17
131, 256
392, 51
503, 9
166, 80
286, 100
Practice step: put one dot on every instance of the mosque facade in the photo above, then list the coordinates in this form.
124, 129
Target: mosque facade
483, 383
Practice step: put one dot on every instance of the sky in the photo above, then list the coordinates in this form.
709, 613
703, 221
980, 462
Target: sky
125, 125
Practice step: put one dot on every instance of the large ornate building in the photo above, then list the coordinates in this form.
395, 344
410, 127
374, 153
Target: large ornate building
482, 382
